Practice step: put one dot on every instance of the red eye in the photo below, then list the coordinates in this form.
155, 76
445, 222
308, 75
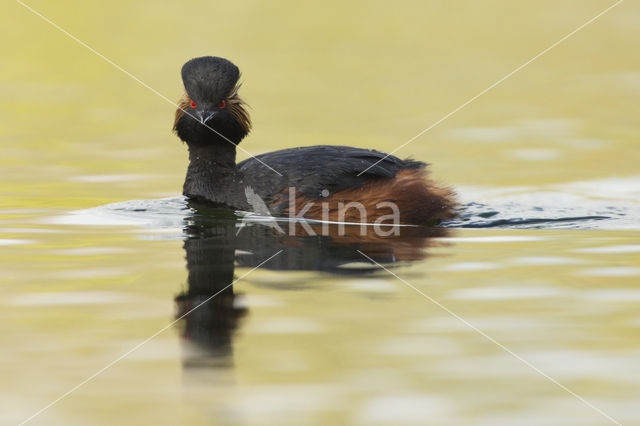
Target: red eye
222, 104
193, 104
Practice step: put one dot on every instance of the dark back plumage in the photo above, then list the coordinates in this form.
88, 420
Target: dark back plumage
312, 169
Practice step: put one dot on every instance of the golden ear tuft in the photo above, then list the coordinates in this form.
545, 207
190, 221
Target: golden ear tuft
237, 108
183, 104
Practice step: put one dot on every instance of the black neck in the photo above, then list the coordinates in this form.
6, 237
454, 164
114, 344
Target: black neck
212, 156
212, 173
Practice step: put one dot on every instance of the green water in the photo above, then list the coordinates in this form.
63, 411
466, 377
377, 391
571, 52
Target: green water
309, 346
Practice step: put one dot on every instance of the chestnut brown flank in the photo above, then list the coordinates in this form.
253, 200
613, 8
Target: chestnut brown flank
419, 200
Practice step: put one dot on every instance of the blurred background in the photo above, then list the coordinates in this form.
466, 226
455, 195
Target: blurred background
75, 133
78, 132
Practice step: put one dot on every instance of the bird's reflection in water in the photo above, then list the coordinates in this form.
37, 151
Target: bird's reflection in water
214, 245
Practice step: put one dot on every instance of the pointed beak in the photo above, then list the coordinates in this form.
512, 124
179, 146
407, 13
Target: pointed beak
206, 116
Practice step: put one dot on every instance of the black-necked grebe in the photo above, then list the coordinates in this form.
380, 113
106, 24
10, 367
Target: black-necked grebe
323, 179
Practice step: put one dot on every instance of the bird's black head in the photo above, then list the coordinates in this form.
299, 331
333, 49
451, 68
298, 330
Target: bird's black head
211, 111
